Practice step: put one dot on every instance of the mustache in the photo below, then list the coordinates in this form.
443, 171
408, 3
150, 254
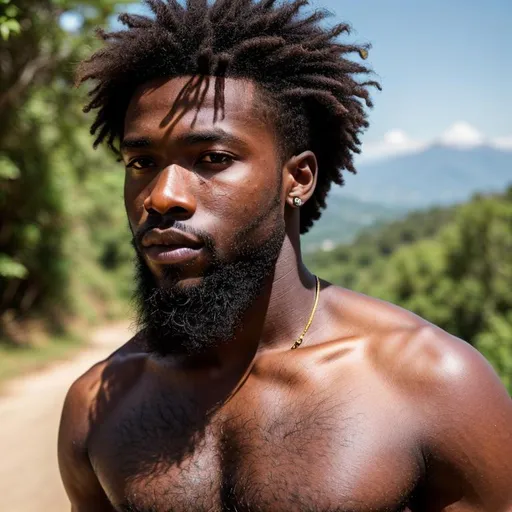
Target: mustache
203, 236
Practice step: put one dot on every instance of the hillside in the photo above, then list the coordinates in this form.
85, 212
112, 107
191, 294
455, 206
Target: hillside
344, 218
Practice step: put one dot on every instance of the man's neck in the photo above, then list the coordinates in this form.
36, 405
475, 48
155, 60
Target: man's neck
291, 300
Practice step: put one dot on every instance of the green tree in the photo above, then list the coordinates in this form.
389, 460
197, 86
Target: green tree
49, 231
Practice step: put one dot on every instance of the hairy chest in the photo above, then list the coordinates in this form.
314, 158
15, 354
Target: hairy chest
314, 454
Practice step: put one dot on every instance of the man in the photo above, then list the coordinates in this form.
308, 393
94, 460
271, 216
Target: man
252, 385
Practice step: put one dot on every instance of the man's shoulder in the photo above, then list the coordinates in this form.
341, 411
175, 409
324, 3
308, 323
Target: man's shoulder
414, 356
82, 405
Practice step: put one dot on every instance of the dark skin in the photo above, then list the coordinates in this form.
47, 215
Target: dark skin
378, 410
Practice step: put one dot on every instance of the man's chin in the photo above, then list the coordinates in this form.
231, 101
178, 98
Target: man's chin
188, 314
179, 281
177, 275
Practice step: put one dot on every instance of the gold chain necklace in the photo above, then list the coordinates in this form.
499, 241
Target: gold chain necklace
300, 339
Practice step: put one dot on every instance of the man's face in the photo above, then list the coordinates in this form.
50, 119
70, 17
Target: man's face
205, 203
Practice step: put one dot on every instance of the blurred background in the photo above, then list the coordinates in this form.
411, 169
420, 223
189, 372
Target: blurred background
426, 223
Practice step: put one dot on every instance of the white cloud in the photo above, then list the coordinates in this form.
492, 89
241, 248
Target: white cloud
397, 138
460, 135
394, 142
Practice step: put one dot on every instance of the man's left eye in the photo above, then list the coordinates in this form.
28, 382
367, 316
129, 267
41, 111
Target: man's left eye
216, 158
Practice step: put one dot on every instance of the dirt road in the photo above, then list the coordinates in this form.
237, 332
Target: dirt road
29, 417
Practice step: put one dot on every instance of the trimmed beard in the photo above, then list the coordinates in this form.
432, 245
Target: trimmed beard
191, 320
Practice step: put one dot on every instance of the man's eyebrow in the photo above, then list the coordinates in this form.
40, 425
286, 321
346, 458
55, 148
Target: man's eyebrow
213, 135
135, 143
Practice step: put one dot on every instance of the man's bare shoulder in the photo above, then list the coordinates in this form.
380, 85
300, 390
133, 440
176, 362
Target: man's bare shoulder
410, 352
81, 406
445, 382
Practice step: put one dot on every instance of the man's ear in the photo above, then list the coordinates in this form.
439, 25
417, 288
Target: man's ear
301, 173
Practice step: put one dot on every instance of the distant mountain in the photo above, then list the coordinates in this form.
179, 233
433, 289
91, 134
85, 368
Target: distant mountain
437, 175
344, 218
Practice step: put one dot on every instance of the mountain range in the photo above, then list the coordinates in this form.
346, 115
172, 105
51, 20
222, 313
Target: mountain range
437, 175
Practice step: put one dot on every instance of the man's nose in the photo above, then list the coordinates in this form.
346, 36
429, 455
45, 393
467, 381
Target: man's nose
172, 194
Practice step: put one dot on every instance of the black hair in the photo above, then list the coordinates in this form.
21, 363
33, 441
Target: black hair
299, 65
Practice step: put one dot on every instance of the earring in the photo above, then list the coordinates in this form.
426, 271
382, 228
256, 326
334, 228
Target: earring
297, 201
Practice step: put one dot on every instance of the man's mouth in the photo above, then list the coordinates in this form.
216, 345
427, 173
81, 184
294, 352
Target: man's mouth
171, 254
170, 246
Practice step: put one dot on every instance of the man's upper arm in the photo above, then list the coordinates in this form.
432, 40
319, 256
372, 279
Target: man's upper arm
468, 427
78, 477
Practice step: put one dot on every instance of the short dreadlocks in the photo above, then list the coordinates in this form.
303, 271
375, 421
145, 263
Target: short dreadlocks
295, 62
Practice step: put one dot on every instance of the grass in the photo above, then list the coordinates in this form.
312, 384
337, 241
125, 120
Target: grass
16, 361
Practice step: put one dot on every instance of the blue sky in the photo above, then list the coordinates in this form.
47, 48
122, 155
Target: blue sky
440, 62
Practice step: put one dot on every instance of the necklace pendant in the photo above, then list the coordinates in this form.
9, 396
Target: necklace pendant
297, 344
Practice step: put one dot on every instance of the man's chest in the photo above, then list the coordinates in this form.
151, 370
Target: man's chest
319, 454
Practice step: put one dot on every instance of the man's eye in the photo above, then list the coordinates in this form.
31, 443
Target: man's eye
140, 163
216, 158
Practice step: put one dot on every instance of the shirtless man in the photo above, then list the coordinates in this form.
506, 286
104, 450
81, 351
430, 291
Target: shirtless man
233, 120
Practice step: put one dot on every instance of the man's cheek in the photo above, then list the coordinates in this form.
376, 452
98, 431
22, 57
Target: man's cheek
239, 188
136, 213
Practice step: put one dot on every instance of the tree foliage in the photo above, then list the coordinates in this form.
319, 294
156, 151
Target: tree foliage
58, 198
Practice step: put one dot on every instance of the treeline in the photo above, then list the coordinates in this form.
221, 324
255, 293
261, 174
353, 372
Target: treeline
451, 266
64, 244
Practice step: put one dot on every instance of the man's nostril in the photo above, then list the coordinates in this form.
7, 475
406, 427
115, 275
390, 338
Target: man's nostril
178, 210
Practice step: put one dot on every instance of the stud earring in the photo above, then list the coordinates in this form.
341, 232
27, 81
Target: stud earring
297, 201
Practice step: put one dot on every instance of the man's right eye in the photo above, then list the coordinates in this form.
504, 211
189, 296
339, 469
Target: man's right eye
140, 163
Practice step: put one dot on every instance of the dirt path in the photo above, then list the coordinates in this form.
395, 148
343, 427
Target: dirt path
29, 417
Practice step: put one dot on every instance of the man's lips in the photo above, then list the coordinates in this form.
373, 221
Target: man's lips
170, 254
170, 237
170, 246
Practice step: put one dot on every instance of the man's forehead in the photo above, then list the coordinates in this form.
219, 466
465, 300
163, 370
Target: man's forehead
168, 99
